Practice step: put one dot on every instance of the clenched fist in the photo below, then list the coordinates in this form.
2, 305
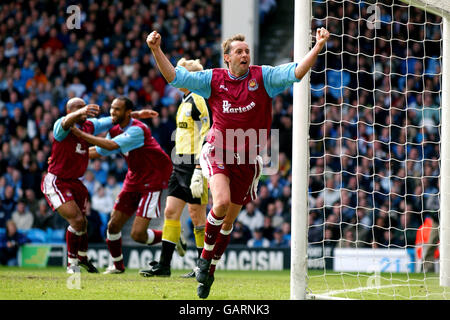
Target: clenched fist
322, 36
154, 40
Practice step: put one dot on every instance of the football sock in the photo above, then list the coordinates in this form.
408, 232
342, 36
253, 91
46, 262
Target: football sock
72, 242
212, 228
114, 242
223, 239
171, 230
82, 247
166, 253
199, 234
170, 236
154, 236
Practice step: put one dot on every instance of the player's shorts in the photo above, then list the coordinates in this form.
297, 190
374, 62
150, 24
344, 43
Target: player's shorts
243, 177
180, 181
145, 204
59, 191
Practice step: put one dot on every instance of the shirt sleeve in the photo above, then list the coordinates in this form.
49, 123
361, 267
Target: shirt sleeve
58, 131
131, 139
104, 152
277, 79
198, 82
101, 125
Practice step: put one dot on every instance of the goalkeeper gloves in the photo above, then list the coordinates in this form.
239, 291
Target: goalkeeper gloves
197, 183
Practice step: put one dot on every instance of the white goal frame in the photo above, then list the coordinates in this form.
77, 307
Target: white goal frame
300, 148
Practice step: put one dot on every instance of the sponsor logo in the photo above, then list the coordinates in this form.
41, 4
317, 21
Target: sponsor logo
252, 85
226, 107
79, 150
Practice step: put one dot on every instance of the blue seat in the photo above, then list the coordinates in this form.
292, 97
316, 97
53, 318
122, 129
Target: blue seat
317, 90
337, 80
35, 235
56, 236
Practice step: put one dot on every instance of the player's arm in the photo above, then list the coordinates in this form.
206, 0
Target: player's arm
105, 123
62, 126
104, 143
144, 114
309, 60
90, 110
198, 82
277, 79
165, 67
93, 154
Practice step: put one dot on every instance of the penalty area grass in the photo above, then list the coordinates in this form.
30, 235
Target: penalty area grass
53, 283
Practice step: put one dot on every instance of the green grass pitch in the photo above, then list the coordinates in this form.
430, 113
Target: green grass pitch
53, 283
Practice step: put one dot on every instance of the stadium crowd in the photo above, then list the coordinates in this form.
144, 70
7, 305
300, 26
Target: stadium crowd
374, 135
361, 169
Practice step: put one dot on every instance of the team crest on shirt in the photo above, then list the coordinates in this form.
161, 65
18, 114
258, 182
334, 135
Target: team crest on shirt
220, 166
69, 194
252, 85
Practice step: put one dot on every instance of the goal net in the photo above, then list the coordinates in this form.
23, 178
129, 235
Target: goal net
375, 151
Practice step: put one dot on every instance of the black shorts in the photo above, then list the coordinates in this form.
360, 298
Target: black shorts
180, 181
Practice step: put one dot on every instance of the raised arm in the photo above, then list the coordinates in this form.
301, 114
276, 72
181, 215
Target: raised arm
309, 60
164, 65
90, 110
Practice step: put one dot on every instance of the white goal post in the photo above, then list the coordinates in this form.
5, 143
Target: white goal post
303, 38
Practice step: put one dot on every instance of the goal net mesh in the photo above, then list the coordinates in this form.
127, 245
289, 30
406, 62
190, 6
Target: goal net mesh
375, 123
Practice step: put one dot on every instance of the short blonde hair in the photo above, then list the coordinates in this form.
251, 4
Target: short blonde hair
226, 45
190, 65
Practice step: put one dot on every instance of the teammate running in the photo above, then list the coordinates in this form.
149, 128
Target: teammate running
149, 169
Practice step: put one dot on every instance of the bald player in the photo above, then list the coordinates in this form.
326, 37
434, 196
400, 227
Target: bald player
62, 188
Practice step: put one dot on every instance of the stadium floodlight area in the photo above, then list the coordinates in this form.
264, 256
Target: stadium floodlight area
370, 176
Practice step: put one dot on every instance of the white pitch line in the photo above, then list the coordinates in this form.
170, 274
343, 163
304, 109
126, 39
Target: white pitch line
363, 289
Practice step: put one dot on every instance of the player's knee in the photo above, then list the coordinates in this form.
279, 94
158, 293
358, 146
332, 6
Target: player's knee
170, 214
113, 228
227, 225
139, 236
79, 223
221, 206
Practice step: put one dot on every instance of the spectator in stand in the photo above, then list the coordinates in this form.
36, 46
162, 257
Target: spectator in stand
241, 234
268, 229
258, 241
22, 217
44, 217
3, 216
91, 184
278, 240
251, 217
103, 203
94, 229
9, 246
112, 187
286, 228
